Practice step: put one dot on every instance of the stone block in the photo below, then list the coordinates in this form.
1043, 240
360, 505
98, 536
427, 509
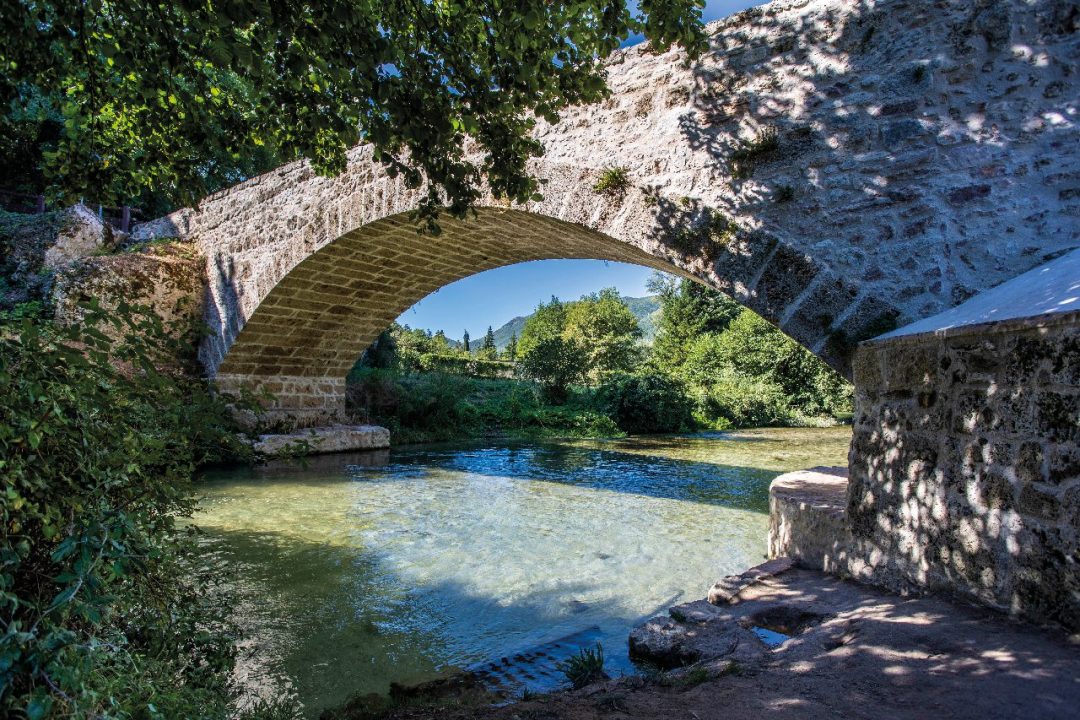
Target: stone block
322, 440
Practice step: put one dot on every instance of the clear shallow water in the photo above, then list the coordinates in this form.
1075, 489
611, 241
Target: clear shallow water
360, 570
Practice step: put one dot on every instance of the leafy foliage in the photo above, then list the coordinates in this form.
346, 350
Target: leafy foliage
588, 339
548, 321
608, 330
107, 608
688, 310
439, 406
740, 369
131, 97
556, 363
647, 403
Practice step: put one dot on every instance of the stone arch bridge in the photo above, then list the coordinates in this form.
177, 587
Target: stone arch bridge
838, 167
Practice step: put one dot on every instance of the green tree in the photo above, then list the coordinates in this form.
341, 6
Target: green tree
147, 94
412, 345
465, 341
487, 350
556, 363
548, 321
383, 352
688, 310
511, 352
608, 330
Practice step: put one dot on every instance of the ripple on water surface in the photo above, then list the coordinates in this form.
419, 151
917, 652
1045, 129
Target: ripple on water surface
354, 575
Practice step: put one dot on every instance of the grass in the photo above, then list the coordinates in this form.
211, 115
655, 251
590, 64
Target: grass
613, 181
584, 668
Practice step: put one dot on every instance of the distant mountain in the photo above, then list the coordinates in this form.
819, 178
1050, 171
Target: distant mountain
503, 334
645, 309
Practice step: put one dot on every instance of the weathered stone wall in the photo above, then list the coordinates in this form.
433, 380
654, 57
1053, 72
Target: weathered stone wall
965, 465
164, 277
924, 151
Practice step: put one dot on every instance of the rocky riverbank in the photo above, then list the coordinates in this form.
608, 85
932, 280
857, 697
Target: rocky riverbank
791, 643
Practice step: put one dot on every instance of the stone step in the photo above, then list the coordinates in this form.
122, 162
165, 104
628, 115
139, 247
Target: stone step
322, 440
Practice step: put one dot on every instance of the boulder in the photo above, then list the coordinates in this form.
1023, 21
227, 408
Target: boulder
81, 235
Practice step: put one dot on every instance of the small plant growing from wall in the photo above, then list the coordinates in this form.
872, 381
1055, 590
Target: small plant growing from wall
584, 668
744, 158
613, 181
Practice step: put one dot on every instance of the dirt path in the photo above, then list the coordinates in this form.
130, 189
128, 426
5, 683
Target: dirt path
856, 652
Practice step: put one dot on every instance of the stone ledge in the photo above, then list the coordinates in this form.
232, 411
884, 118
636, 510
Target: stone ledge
726, 589
807, 517
322, 440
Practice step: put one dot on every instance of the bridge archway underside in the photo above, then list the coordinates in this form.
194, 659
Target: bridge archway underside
309, 329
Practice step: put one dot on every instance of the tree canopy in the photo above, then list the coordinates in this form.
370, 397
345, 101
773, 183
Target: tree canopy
122, 99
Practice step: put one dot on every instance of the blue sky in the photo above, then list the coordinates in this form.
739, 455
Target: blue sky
497, 296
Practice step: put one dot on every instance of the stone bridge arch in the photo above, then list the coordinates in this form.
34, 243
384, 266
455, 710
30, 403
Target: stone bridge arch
838, 167
293, 316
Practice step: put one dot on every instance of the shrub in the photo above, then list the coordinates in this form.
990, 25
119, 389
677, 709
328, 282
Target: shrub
108, 606
421, 401
741, 401
612, 181
646, 403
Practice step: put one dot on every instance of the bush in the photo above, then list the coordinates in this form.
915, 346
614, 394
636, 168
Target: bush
741, 401
646, 403
420, 401
108, 607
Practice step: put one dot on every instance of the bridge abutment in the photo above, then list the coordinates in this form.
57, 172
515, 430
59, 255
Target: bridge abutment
964, 468
290, 401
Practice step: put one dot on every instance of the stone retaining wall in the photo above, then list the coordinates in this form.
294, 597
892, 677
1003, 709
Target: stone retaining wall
965, 465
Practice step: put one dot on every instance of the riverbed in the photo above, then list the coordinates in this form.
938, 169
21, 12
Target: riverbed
503, 558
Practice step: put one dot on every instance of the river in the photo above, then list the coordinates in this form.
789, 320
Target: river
359, 570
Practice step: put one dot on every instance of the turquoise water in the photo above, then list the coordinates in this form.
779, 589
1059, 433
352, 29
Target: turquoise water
360, 570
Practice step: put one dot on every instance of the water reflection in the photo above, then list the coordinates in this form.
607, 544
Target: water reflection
356, 574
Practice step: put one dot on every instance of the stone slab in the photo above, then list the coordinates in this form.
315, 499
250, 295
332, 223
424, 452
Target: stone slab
322, 440
1048, 289
725, 589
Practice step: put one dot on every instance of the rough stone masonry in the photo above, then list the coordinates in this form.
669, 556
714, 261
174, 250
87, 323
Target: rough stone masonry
964, 468
840, 168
